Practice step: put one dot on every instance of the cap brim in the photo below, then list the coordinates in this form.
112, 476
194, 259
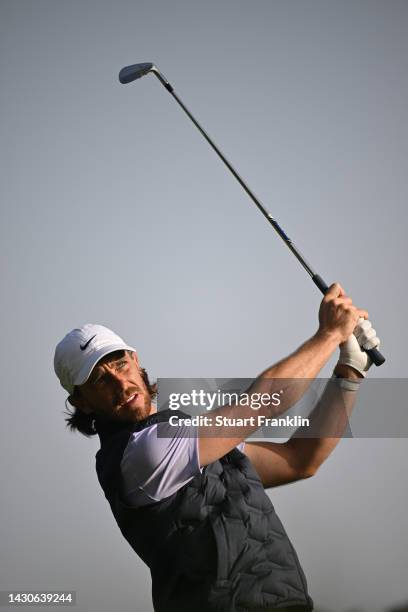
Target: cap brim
93, 359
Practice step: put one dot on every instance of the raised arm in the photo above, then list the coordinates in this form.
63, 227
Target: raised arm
337, 319
302, 455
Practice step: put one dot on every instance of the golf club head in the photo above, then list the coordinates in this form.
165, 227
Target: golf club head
133, 72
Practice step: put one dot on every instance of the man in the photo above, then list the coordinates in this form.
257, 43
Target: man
192, 505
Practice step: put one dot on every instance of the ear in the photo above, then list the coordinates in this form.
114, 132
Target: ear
78, 402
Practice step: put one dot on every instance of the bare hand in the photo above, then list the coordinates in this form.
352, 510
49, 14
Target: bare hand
337, 315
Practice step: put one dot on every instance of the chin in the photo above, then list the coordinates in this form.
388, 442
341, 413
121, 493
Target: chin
136, 413
141, 413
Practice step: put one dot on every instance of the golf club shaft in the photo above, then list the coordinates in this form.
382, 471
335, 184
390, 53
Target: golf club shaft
129, 74
256, 201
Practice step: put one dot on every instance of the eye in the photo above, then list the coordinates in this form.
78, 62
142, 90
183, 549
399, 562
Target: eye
122, 364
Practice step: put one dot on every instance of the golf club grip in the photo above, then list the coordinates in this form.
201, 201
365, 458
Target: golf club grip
376, 357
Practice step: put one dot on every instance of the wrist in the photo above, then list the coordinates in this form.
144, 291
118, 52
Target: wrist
331, 338
346, 384
346, 371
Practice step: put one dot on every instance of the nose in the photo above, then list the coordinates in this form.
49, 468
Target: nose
118, 382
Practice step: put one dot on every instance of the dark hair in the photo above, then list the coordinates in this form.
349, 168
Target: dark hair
79, 421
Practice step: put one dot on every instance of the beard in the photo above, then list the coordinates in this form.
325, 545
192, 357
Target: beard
136, 410
128, 414
140, 411
130, 407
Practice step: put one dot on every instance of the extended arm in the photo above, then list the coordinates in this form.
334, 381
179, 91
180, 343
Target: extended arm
301, 456
337, 319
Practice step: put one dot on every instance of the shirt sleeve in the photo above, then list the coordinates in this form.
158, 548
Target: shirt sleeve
156, 466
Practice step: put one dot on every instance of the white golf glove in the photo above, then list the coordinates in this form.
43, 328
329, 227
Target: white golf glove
350, 351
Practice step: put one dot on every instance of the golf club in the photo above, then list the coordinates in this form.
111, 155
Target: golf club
136, 71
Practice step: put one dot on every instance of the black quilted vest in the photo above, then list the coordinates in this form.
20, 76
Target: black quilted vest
215, 545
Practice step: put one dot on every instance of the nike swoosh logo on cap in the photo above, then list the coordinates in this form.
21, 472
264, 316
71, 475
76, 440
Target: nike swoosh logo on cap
83, 346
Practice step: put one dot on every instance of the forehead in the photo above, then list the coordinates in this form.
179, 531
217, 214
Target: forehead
110, 357
107, 359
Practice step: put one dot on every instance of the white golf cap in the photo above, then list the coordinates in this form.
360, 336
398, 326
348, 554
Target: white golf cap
79, 351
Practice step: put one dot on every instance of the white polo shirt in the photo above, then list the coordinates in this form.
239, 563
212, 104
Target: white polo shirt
155, 466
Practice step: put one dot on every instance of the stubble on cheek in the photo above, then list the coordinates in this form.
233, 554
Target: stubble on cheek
138, 409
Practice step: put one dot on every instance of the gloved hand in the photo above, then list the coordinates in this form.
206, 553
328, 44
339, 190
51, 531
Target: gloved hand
350, 351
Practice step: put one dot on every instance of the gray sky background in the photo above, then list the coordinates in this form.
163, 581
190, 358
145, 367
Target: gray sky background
114, 210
